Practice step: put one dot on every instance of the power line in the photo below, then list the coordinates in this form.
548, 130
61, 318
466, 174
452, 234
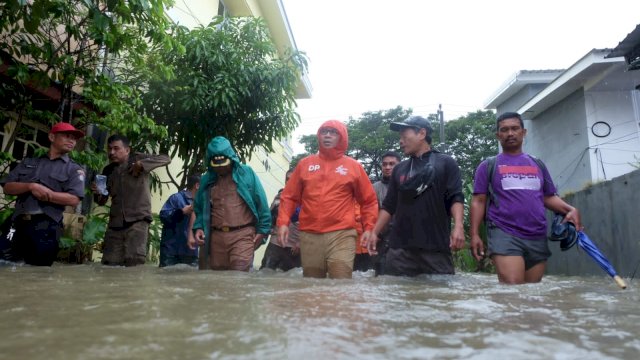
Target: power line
574, 169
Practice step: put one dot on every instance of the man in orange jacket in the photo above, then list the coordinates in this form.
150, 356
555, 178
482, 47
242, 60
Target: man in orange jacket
326, 185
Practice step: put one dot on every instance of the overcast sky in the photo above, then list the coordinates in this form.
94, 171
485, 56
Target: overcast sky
369, 55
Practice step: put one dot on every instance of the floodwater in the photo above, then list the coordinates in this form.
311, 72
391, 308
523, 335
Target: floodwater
95, 312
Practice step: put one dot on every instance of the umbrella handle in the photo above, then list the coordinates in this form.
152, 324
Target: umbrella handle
620, 282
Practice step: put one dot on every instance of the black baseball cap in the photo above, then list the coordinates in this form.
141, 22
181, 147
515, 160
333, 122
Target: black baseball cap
416, 122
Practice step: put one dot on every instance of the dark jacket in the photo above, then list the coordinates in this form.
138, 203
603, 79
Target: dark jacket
175, 225
130, 195
423, 221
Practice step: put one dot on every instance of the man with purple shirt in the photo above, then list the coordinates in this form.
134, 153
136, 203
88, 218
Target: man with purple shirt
516, 225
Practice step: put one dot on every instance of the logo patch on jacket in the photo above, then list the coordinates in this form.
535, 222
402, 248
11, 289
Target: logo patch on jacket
341, 170
313, 168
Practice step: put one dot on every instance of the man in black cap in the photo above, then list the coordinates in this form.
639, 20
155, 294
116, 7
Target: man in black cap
424, 193
44, 186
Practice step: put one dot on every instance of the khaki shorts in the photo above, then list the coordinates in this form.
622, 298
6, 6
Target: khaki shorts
232, 250
126, 245
331, 253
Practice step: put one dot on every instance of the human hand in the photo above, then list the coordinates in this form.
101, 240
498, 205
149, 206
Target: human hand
257, 241
477, 247
370, 239
456, 239
94, 187
573, 216
283, 235
136, 169
191, 240
40, 192
295, 250
196, 240
187, 210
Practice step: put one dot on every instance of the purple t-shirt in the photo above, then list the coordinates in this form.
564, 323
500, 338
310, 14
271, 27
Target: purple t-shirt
519, 186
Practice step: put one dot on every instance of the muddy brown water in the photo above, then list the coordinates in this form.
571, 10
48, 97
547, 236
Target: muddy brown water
96, 312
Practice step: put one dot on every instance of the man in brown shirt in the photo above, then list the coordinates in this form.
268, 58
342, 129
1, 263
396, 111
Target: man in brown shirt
232, 216
125, 242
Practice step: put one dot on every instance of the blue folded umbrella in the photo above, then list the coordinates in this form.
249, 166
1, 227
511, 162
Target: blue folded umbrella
590, 248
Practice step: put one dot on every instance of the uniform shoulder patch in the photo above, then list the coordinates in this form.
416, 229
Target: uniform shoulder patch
81, 175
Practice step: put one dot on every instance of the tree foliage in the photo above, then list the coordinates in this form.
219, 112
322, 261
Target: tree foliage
229, 82
83, 50
369, 138
469, 139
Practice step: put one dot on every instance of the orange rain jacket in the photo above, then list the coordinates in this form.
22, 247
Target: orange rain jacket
326, 185
360, 248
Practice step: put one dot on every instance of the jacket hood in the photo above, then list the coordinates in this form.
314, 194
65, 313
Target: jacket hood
220, 146
342, 145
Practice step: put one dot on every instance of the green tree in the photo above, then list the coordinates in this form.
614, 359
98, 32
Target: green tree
86, 57
469, 140
229, 82
369, 138
84, 51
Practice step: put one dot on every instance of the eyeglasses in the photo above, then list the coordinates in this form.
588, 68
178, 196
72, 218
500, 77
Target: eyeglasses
328, 131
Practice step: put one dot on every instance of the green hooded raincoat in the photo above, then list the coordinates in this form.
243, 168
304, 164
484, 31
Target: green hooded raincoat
249, 188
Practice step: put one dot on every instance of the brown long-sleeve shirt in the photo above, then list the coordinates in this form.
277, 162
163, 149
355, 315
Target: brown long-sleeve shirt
130, 195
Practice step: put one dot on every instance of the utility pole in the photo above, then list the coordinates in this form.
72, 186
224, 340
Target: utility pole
441, 118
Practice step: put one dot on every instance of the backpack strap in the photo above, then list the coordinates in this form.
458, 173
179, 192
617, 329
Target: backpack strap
542, 167
432, 159
491, 195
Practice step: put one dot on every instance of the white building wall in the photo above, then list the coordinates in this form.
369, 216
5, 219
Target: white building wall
193, 13
558, 136
613, 155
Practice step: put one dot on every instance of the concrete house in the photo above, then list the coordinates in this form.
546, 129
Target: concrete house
583, 122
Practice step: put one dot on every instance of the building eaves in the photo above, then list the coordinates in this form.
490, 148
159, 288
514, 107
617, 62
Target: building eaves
518, 81
584, 73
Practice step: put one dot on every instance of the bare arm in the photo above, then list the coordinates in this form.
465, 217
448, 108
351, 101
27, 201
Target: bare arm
478, 206
41, 193
63, 198
18, 188
196, 239
571, 214
456, 241
370, 238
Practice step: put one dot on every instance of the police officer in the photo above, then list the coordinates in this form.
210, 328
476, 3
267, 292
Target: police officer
44, 186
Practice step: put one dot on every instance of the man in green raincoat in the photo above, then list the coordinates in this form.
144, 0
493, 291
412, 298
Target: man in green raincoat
232, 215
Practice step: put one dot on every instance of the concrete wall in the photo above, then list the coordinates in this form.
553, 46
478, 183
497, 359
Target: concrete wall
558, 136
615, 152
610, 213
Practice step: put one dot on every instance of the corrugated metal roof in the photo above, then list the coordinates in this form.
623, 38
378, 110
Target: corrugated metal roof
627, 45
